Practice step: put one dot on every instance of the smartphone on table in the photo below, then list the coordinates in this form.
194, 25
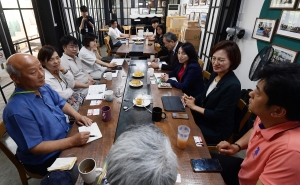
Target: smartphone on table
176, 115
206, 165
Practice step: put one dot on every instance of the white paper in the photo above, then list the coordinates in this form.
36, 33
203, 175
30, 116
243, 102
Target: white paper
114, 75
158, 75
93, 129
65, 163
96, 92
119, 61
173, 78
96, 102
178, 178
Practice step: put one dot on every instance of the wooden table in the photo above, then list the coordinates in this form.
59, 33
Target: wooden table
100, 148
126, 49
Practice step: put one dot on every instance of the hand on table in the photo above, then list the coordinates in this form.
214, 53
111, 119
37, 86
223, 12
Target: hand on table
154, 65
112, 64
83, 120
154, 60
164, 77
80, 138
189, 101
225, 147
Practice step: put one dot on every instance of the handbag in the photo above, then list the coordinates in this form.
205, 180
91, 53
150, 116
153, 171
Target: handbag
76, 100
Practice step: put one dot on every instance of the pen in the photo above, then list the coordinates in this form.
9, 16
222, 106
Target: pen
93, 136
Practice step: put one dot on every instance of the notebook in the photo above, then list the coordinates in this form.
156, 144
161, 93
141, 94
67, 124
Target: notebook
118, 61
94, 131
172, 103
65, 163
95, 92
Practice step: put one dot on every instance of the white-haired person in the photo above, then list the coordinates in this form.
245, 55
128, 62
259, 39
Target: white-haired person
142, 154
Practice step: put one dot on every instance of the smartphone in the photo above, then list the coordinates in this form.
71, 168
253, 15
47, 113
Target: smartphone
180, 115
206, 165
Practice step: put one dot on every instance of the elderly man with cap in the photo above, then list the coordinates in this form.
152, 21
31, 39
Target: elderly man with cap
34, 116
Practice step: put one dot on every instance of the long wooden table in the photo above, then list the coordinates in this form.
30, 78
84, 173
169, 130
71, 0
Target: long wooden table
99, 149
146, 50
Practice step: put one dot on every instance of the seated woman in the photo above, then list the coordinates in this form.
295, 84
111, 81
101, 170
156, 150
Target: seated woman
60, 79
213, 110
188, 73
160, 31
90, 58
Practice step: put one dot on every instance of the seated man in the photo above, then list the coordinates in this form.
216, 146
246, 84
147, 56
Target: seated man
172, 44
142, 154
34, 116
155, 23
115, 34
272, 144
71, 62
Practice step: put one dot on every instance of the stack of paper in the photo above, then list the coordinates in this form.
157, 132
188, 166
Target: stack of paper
119, 61
65, 163
95, 92
94, 130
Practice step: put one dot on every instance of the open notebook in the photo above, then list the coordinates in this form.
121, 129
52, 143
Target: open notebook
65, 163
94, 131
95, 92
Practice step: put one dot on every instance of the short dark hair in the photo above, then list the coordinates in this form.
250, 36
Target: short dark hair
282, 86
113, 21
162, 27
45, 53
169, 36
232, 50
190, 51
67, 39
84, 9
87, 38
154, 20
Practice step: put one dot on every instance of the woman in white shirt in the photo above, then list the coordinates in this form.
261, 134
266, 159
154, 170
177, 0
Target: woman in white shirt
56, 76
90, 57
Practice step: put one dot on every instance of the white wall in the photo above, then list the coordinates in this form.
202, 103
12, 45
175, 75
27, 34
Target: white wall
250, 10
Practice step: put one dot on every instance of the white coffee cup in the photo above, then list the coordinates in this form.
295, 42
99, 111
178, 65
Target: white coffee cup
151, 71
108, 95
152, 57
88, 171
108, 76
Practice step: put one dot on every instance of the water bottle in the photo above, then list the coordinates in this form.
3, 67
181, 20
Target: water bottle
127, 41
146, 41
148, 77
147, 31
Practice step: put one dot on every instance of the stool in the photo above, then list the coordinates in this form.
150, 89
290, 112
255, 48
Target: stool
127, 28
138, 28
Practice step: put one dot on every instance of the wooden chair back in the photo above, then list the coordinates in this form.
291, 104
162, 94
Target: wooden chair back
126, 28
106, 42
11, 156
201, 63
206, 74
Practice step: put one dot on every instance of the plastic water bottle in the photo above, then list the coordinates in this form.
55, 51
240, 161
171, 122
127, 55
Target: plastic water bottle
127, 41
147, 32
148, 77
147, 41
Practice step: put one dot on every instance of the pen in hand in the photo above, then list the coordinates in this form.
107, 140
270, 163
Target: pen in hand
93, 136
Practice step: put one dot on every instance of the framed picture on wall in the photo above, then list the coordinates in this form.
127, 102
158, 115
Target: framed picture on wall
282, 54
264, 29
196, 16
196, 3
289, 24
282, 4
202, 2
191, 2
202, 19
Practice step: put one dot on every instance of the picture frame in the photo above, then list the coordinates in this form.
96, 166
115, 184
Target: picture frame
264, 29
196, 3
202, 2
191, 2
287, 20
196, 16
202, 19
283, 54
145, 11
163, 3
282, 4
134, 11
192, 14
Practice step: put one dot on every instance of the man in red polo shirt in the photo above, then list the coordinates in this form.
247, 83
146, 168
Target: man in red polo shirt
273, 147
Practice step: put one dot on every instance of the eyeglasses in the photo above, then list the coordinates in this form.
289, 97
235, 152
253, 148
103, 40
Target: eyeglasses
219, 60
73, 47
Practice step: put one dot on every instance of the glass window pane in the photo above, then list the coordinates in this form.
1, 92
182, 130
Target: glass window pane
35, 46
15, 25
72, 22
9, 4
30, 23
25, 3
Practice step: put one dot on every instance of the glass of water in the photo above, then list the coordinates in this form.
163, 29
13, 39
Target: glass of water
118, 92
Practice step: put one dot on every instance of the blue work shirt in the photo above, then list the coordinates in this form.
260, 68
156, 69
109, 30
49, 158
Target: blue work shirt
30, 120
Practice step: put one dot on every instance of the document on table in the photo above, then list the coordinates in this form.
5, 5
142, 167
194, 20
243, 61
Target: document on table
113, 74
161, 62
62, 163
95, 92
94, 130
118, 61
158, 75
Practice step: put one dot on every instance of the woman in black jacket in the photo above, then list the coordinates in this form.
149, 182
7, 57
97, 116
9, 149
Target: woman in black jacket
160, 31
213, 110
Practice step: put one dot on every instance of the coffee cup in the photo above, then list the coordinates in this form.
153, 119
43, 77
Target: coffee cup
157, 114
152, 57
108, 76
108, 95
88, 171
150, 71
106, 113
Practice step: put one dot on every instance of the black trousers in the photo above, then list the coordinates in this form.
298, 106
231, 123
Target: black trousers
231, 167
41, 169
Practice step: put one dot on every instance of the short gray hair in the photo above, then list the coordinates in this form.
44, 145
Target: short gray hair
12, 71
142, 154
169, 36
